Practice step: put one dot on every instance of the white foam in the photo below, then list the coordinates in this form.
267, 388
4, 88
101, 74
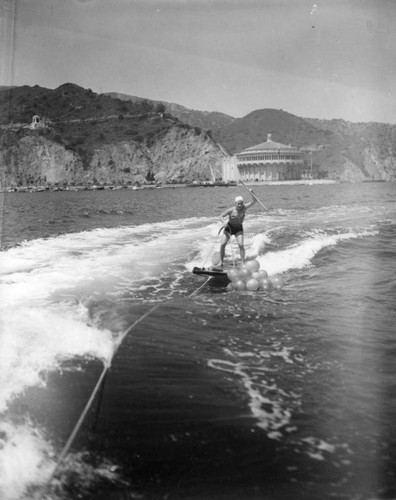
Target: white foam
25, 459
36, 340
301, 254
278, 416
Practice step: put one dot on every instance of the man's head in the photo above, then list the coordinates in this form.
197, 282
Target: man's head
239, 201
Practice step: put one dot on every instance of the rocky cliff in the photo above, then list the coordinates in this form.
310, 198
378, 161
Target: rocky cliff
357, 151
178, 155
73, 136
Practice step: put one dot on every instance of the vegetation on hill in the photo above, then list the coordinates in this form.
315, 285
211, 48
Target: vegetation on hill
85, 137
206, 120
67, 102
253, 129
80, 119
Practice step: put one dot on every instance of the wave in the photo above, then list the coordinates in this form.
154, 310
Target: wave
47, 286
301, 255
26, 458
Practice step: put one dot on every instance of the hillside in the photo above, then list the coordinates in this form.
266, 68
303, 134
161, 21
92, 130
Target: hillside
67, 102
85, 137
207, 120
254, 127
341, 150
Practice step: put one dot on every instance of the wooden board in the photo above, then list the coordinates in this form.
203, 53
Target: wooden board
211, 271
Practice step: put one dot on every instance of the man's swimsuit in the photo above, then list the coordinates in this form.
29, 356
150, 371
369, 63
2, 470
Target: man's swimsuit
234, 225
233, 230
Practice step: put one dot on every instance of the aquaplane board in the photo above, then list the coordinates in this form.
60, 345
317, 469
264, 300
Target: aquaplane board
212, 271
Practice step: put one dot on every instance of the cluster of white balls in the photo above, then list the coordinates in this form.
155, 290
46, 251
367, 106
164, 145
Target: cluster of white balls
248, 276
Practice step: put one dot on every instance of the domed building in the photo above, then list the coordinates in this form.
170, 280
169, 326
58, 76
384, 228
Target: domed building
268, 161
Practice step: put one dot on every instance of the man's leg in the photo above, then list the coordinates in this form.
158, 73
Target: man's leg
239, 238
223, 244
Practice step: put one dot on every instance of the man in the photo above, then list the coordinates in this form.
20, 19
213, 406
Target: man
236, 216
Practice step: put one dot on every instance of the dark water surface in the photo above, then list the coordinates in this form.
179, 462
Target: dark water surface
280, 394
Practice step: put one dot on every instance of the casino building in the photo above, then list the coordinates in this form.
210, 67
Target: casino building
268, 161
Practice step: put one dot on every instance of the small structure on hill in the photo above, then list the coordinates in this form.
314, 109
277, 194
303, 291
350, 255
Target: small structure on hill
38, 122
268, 161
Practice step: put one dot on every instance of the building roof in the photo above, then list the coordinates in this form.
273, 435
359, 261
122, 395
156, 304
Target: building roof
269, 145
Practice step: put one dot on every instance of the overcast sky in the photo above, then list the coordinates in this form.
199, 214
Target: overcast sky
324, 59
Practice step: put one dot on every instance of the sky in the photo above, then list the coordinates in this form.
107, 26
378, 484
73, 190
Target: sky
325, 59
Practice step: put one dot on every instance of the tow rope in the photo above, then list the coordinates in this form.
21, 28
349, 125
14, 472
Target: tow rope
99, 383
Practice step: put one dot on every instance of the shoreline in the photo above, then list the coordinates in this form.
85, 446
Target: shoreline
300, 182
308, 182
39, 189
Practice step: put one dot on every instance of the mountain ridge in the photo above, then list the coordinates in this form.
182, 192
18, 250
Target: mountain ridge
341, 150
208, 120
86, 125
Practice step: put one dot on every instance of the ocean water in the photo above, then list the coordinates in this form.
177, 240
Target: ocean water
119, 381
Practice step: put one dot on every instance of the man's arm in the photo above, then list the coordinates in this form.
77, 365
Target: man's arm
224, 214
251, 203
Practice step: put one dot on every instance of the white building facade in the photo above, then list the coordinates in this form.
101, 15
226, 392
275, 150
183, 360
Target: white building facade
269, 161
